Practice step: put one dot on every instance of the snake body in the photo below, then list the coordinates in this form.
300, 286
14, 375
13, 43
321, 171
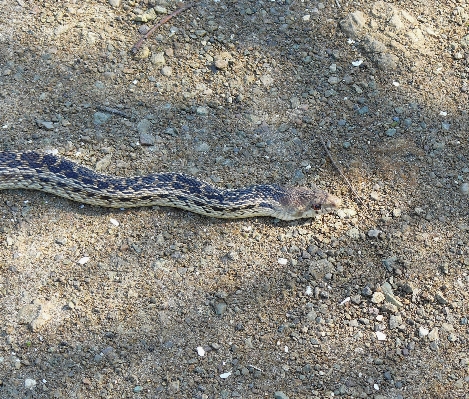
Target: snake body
65, 178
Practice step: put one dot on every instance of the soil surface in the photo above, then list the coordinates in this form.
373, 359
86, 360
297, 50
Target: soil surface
366, 302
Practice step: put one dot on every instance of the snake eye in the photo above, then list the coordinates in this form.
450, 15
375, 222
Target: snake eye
316, 207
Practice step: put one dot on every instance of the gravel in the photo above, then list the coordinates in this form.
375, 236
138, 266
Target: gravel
360, 303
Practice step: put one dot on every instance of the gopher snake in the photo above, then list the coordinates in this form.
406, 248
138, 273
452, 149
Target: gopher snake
62, 177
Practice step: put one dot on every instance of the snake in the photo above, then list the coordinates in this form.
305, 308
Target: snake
50, 173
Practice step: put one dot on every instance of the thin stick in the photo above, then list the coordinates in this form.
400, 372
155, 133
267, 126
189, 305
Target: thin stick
340, 170
158, 24
112, 111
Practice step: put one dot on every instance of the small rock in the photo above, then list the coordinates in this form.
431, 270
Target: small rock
202, 111
148, 15
160, 10
29, 383
158, 59
378, 297
220, 308
374, 233
45, 124
115, 3
143, 126
100, 117
423, 332
166, 71
464, 188
433, 335
395, 321
280, 395
147, 139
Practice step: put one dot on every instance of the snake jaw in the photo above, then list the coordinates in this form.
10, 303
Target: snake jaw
302, 203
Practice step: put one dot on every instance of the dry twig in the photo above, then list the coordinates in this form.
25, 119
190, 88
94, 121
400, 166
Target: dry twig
158, 24
340, 170
112, 111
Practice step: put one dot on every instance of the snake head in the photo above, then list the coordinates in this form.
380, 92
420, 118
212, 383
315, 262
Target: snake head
302, 202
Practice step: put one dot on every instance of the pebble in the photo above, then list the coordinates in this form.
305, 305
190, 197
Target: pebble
158, 59
378, 297
280, 395
464, 188
167, 71
433, 335
203, 111
48, 125
146, 139
100, 118
29, 383
423, 332
395, 321
220, 308
115, 3
148, 15
391, 132
374, 233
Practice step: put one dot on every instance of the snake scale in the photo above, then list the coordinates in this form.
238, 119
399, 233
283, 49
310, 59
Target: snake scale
62, 177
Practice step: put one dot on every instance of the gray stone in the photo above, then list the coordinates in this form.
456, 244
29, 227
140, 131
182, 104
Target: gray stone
45, 124
464, 188
202, 111
147, 139
220, 308
144, 126
395, 321
280, 395
100, 117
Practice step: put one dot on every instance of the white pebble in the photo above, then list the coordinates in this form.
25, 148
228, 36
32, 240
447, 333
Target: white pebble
357, 63
381, 336
423, 332
114, 222
282, 261
306, 17
443, 113
397, 84
225, 375
84, 260
309, 290
345, 301
376, 386
29, 383
200, 351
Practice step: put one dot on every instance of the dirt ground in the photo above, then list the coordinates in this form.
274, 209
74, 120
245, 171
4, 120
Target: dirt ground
367, 302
